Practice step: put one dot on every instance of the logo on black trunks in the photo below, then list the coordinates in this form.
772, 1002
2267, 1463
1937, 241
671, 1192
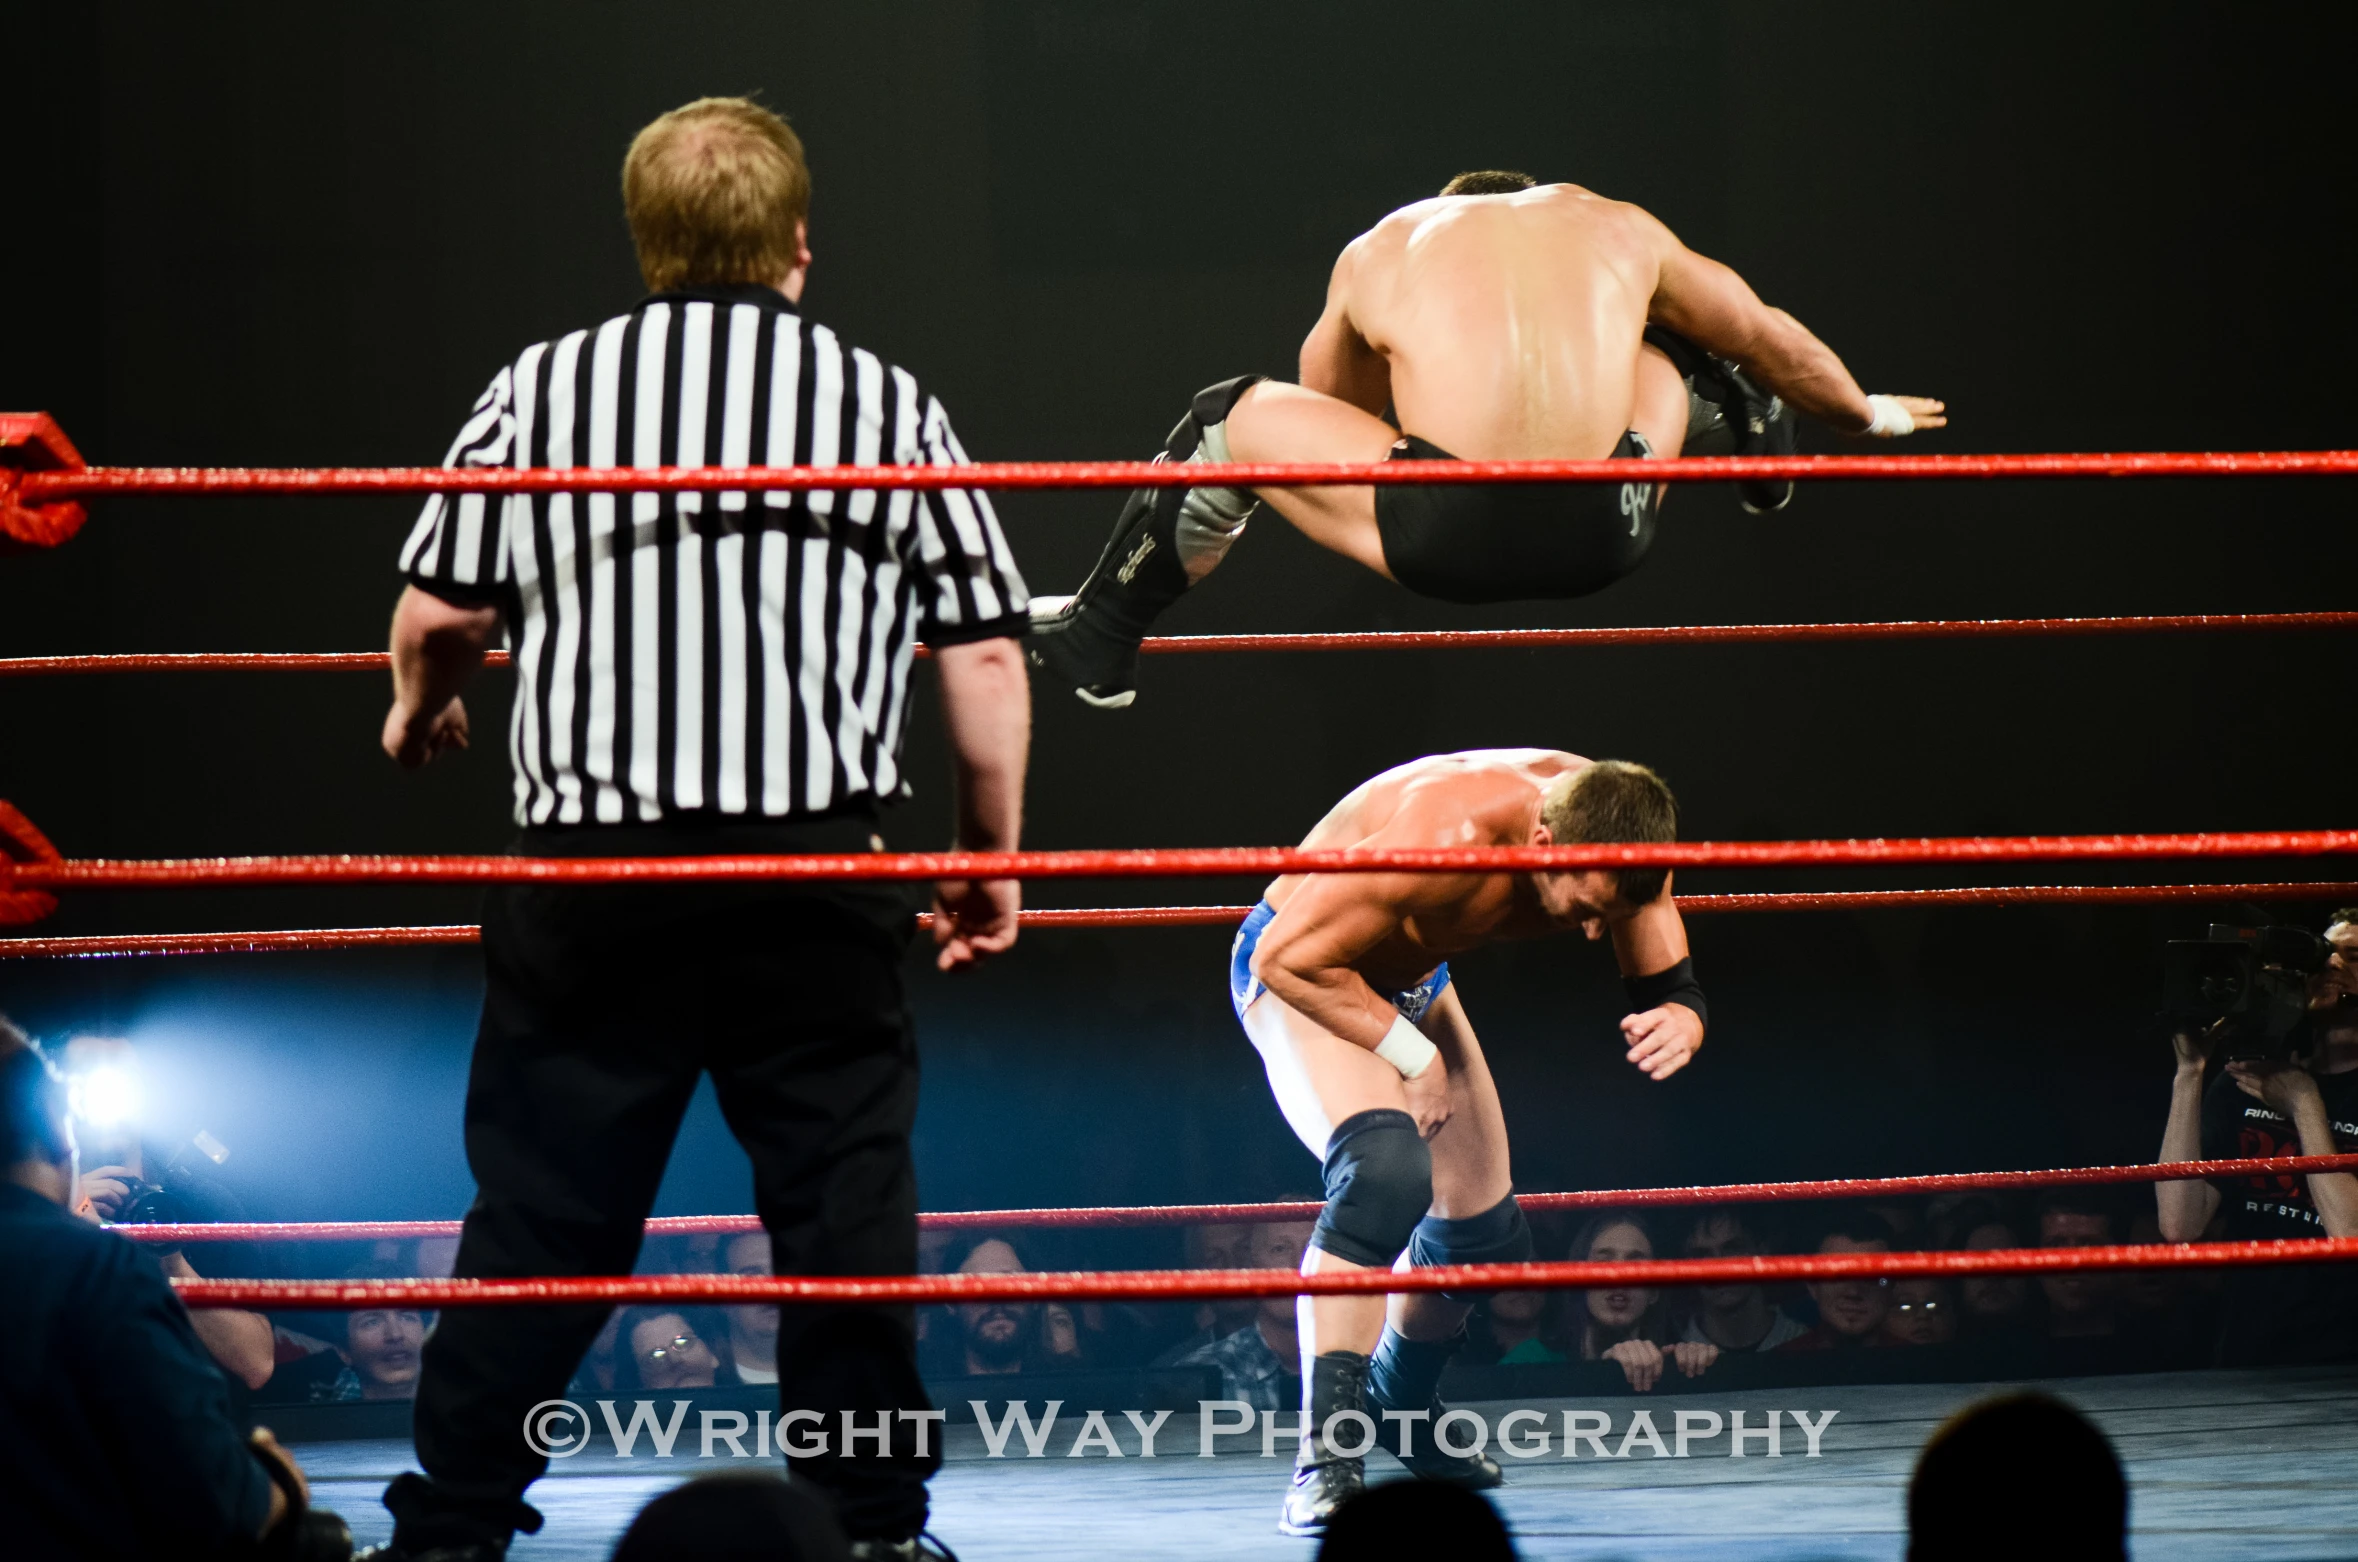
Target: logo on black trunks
1136, 558
1636, 500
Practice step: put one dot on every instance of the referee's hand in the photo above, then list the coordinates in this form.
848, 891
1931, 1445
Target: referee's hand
973, 919
412, 739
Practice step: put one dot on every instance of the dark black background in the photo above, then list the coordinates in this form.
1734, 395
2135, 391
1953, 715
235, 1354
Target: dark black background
278, 233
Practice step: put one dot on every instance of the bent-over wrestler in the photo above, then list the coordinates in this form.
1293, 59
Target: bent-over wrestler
1342, 982
1502, 320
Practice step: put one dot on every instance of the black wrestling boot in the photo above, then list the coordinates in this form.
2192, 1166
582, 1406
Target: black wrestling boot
1405, 1375
1767, 427
428, 1527
472, 1551
920, 1547
1165, 540
1323, 1479
1729, 415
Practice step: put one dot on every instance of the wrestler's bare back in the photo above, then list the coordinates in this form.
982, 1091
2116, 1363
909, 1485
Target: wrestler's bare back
1510, 323
1484, 797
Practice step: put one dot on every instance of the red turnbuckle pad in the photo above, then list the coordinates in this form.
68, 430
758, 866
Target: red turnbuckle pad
21, 841
32, 442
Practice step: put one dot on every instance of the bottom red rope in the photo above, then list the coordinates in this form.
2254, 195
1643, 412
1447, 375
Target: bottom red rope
1241, 1214
317, 939
1162, 1285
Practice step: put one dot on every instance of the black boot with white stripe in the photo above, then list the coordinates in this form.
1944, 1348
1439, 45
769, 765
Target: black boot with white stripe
1165, 541
1729, 414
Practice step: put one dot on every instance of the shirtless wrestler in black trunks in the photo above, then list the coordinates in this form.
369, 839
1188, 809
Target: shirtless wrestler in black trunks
1499, 321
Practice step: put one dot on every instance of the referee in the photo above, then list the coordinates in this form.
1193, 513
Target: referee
704, 674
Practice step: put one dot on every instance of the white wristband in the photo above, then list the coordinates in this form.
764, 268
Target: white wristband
1891, 419
1406, 1048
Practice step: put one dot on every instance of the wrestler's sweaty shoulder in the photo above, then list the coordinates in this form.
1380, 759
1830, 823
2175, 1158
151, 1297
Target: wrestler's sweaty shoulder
1489, 221
1460, 798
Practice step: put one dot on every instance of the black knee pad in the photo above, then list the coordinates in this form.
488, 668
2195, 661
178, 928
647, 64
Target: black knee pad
1379, 1183
1499, 1235
1213, 403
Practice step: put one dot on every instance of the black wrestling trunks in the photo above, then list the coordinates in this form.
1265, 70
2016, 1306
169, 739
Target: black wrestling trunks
1499, 542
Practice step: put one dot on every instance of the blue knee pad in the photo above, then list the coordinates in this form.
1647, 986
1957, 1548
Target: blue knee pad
1499, 1235
1379, 1183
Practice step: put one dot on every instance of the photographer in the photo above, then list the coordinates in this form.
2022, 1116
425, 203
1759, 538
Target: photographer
2304, 1102
121, 1189
115, 1434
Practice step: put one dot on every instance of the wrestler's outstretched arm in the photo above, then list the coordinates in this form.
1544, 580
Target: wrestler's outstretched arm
1661, 1040
1711, 306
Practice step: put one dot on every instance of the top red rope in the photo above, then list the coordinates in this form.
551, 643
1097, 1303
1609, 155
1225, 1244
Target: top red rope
1248, 861
1348, 640
73, 483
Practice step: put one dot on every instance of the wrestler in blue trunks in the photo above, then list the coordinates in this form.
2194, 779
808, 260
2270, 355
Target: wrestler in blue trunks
1244, 987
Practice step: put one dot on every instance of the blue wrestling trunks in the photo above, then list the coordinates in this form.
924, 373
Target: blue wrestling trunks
1244, 987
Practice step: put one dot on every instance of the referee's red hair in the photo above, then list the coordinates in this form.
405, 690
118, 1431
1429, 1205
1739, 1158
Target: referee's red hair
716, 192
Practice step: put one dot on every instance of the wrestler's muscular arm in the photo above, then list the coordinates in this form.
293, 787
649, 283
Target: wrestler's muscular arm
1716, 309
1309, 953
1336, 359
1661, 1040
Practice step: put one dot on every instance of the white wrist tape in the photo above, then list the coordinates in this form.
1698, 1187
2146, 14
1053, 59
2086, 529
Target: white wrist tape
1406, 1048
1891, 419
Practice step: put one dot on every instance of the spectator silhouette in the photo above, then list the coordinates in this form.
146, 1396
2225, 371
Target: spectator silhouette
1414, 1519
1922, 1312
1733, 1317
1259, 1363
371, 1353
736, 1516
2009, 1470
1629, 1325
1997, 1308
2081, 1304
672, 1347
1850, 1312
1005, 1338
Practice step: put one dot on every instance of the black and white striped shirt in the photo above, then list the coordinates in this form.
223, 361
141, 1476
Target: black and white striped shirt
745, 654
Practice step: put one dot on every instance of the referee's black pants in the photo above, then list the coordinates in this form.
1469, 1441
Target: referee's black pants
602, 1007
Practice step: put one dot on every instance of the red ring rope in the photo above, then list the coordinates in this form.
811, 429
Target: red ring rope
314, 940
1260, 1214
22, 842
1195, 1285
1182, 862
1742, 634
47, 487
1371, 640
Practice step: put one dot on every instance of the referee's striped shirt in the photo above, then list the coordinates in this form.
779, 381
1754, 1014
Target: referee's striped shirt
739, 653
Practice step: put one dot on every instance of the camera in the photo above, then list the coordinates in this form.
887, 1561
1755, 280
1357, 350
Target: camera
162, 1202
2252, 983
151, 1204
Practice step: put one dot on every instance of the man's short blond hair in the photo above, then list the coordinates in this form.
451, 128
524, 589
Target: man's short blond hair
1614, 800
716, 192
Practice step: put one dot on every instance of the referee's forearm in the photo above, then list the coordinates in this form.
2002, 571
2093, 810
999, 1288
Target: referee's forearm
436, 647
987, 709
